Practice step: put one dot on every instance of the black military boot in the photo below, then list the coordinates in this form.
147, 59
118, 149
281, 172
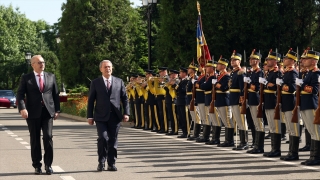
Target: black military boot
308, 141
268, 136
293, 149
196, 132
259, 143
315, 160
311, 153
276, 147
253, 133
243, 141
216, 130
283, 132
205, 134
229, 141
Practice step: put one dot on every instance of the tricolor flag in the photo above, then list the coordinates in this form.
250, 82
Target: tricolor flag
202, 47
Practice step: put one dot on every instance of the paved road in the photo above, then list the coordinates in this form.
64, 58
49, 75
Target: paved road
142, 155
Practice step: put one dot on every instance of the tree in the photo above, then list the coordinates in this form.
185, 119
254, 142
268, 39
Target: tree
93, 30
18, 35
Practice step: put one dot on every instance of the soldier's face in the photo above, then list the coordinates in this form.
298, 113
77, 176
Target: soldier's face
310, 62
182, 74
253, 62
305, 62
235, 62
163, 73
220, 67
287, 61
271, 63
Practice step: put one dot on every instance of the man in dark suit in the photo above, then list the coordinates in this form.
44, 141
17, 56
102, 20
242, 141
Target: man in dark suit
38, 103
106, 95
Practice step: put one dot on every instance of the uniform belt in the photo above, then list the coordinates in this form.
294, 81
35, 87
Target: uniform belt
199, 90
269, 91
285, 92
220, 92
234, 90
304, 92
207, 92
250, 90
189, 93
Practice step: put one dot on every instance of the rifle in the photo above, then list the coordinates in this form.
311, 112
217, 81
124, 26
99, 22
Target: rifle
211, 110
277, 108
243, 109
260, 106
317, 115
295, 112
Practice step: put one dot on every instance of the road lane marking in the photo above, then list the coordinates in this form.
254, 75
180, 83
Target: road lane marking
23, 142
28, 147
67, 178
307, 167
13, 135
291, 163
57, 169
19, 139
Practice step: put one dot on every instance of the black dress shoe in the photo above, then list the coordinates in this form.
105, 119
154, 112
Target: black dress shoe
100, 167
154, 130
182, 136
162, 132
49, 170
37, 171
171, 133
112, 168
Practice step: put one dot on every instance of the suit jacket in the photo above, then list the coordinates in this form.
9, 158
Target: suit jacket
29, 91
101, 102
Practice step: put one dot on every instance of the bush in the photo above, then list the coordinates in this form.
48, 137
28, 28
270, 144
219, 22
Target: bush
75, 106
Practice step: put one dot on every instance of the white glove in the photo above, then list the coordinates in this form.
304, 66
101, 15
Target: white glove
279, 81
214, 81
319, 79
263, 81
193, 81
299, 82
247, 80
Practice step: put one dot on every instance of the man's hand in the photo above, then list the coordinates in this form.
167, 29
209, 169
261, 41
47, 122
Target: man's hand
197, 85
218, 85
270, 84
90, 121
24, 113
125, 118
56, 115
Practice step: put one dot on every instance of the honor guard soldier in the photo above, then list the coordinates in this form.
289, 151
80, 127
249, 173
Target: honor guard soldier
288, 99
139, 101
200, 100
131, 94
302, 75
309, 103
192, 72
270, 100
170, 101
222, 102
160, 98
182, 107
151, 86
254, 99
150, 102
236, 86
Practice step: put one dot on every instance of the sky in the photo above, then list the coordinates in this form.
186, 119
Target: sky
47, 10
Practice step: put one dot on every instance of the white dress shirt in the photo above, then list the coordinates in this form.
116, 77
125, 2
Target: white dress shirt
105, 81
37, 78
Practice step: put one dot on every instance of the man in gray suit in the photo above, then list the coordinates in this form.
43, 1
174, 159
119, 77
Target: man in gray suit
38, 103
106, 95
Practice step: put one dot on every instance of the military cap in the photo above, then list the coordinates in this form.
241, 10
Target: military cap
162, 68
311, 54
223, 61
172, 71
184, 69
149, 71
236, 55
193, 66
211, 64
134, 75
292, 55
273, 55
255, 55
141, 75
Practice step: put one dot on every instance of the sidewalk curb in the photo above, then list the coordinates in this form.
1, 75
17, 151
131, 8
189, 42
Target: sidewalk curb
78, 118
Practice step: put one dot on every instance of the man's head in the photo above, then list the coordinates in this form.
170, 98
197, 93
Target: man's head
235, 59
255, 58
192, 69
173, 74
222, 64
163, 71
148, 73
106, 68
210, 67
183, 72
310, 59
272, 59
37, 63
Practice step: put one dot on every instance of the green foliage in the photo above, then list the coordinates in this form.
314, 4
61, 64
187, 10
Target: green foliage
93, 30
79, 89
18, 35
235, 25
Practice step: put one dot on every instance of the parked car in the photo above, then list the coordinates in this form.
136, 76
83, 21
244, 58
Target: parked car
9, 94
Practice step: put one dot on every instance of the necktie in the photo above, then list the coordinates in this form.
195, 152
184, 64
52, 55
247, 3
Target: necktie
40, 83
108, 84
